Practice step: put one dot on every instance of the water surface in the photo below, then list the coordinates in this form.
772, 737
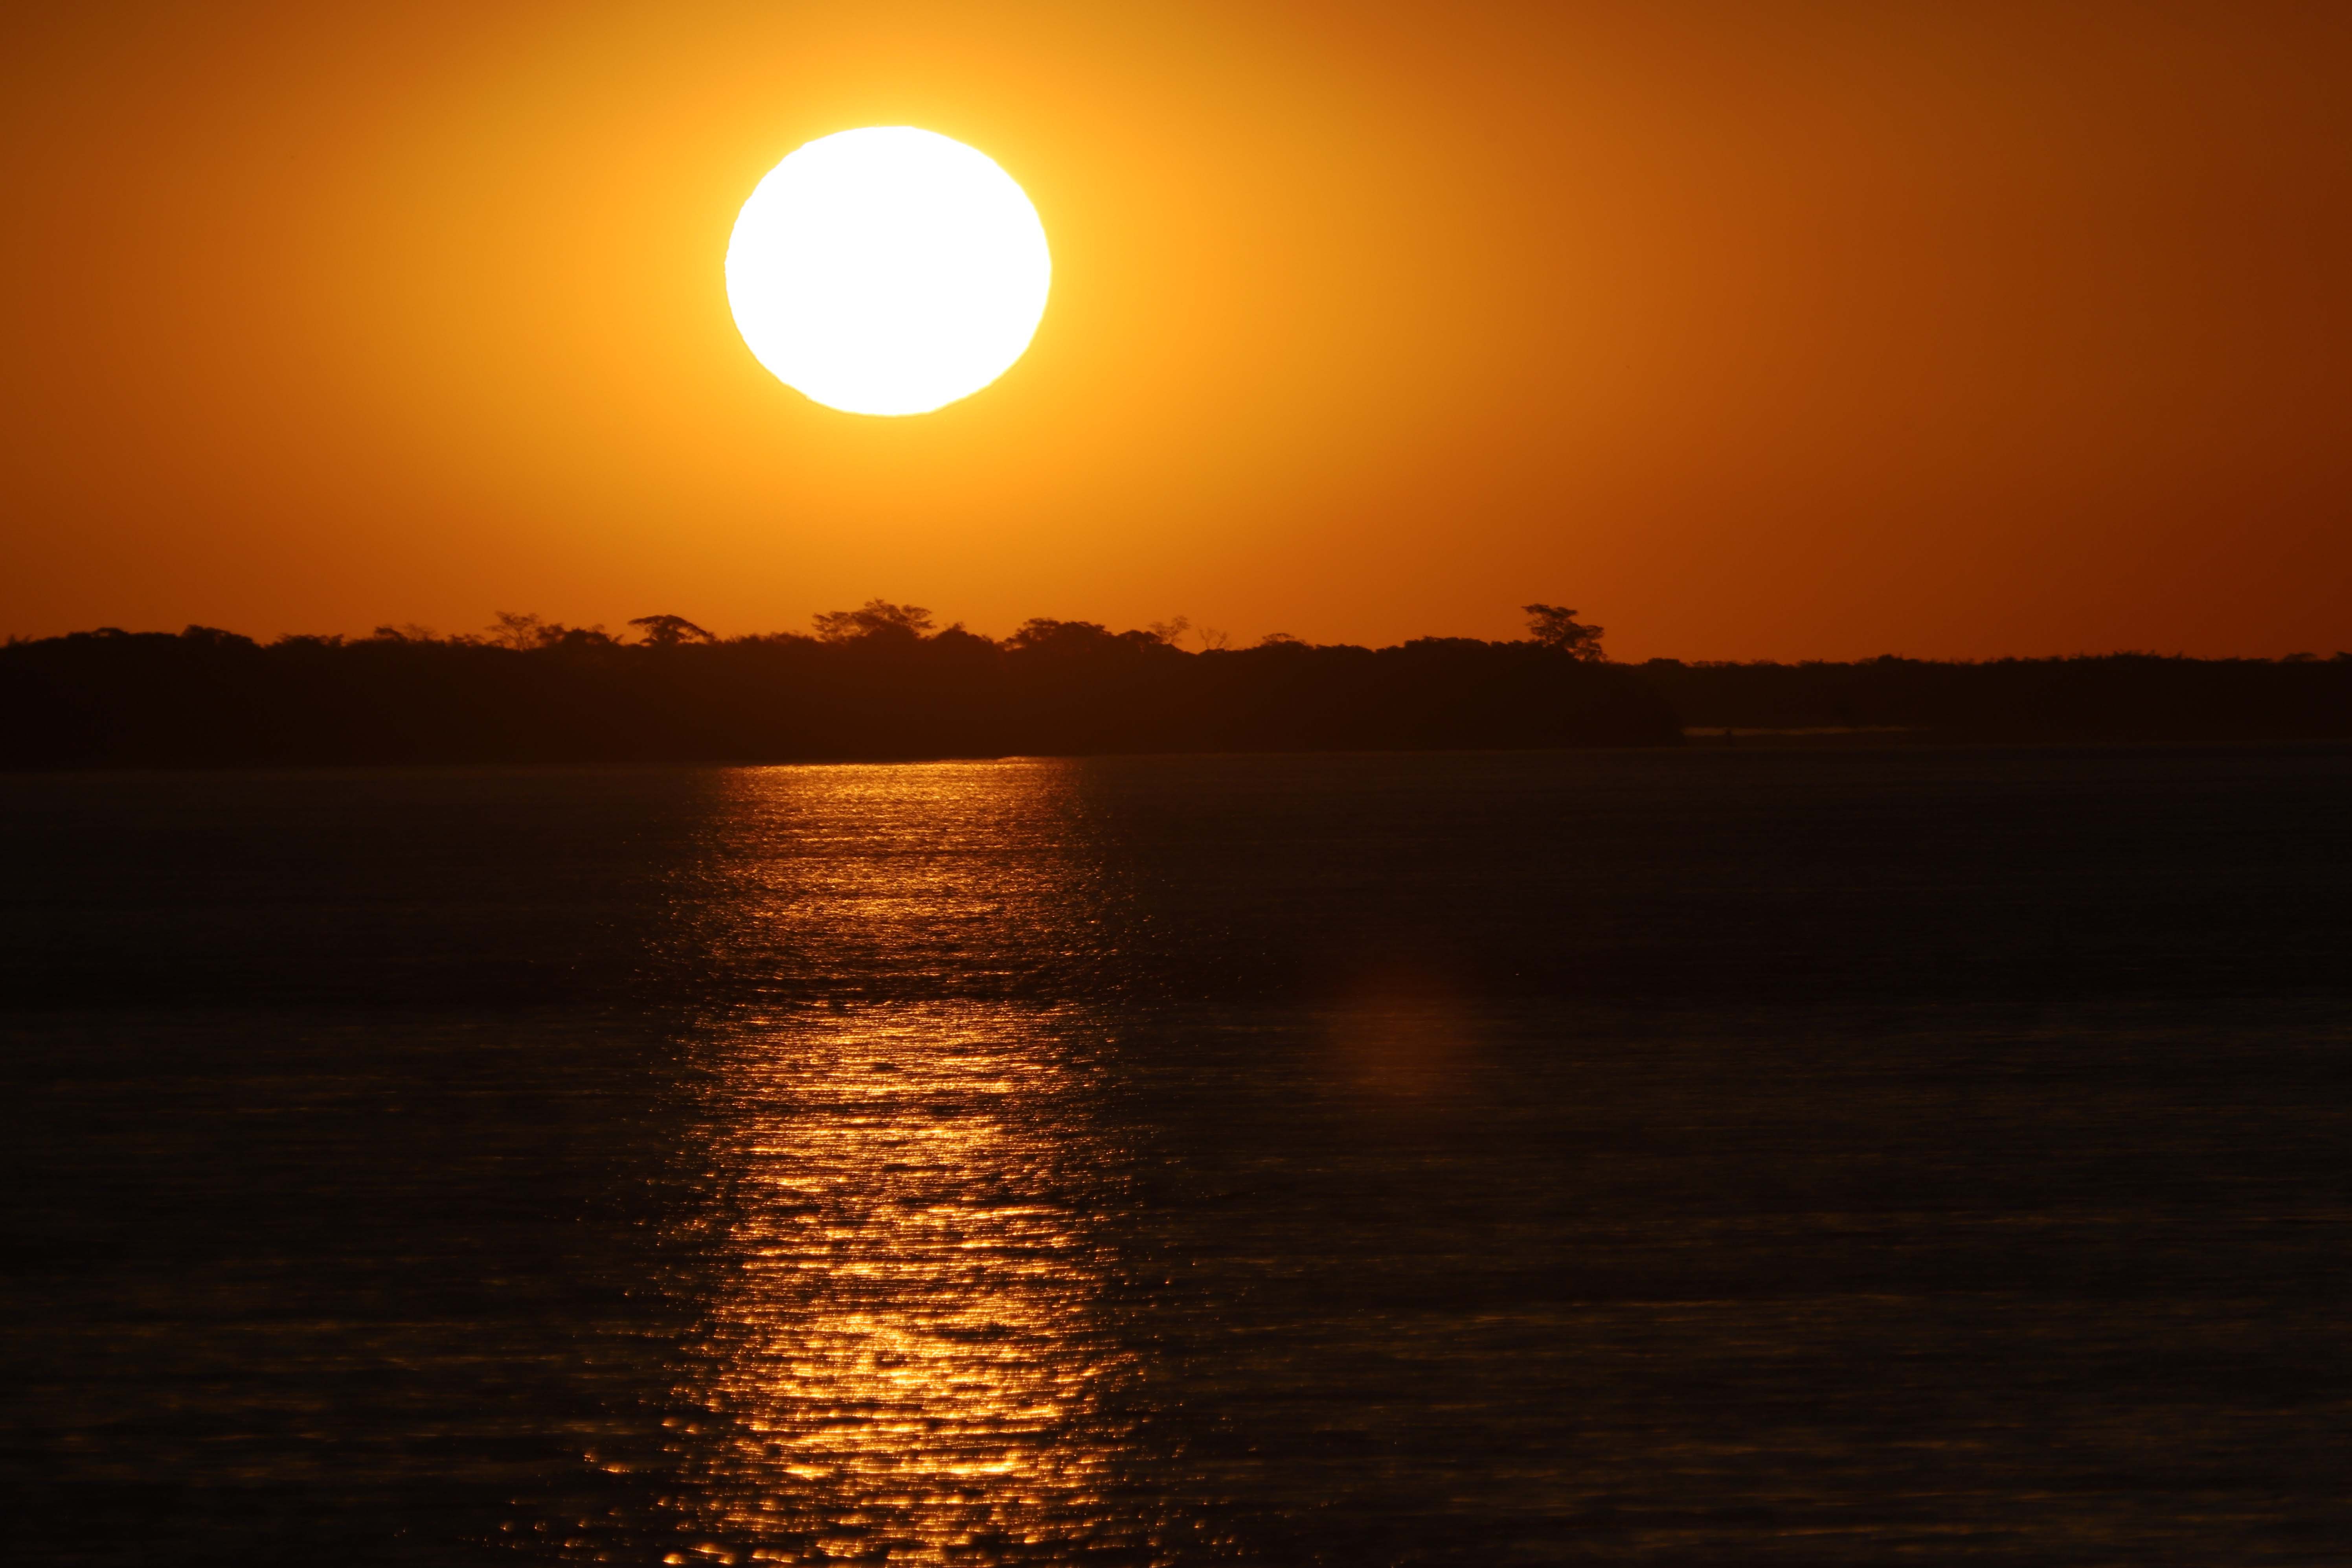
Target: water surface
1716, 1157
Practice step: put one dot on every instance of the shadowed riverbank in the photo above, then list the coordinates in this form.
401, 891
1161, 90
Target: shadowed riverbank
881, 684
889, 689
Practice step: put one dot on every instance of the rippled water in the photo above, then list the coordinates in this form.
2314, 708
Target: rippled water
1663, 1158
908, 1348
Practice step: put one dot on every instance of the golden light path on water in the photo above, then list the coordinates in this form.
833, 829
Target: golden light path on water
905, 1356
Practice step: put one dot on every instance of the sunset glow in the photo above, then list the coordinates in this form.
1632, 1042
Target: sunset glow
1806, 332
887, 270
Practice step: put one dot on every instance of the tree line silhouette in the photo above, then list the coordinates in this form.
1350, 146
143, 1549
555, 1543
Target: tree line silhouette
880, 682
884, 681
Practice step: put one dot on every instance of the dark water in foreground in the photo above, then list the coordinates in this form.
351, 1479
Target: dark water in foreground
1665, 1158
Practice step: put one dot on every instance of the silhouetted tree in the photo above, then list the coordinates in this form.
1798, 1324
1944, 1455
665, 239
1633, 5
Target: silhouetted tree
1555, 627
669, 631
1043, 634
213, 636
878, 618
521, 632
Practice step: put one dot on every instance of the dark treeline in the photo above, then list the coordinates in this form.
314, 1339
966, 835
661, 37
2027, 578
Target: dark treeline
873, 683
2111, 696
882, 682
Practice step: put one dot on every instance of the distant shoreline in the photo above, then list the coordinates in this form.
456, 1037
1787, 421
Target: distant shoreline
2085, 697
881, 685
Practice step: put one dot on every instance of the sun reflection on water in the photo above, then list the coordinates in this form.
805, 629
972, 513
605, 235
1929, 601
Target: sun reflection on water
906, 1355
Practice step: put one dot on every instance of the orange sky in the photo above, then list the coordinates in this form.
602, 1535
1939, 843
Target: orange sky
1752, 330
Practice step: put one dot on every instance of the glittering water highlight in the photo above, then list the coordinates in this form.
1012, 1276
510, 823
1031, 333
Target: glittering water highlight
904, 1355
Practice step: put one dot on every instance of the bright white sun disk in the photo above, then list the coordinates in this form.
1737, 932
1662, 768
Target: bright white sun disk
887, 270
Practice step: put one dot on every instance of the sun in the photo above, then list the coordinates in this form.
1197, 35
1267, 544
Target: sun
887, 270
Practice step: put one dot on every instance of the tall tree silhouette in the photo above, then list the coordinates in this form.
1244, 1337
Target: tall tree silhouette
1556, 627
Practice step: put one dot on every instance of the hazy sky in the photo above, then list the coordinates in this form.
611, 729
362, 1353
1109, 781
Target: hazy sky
1751, 329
